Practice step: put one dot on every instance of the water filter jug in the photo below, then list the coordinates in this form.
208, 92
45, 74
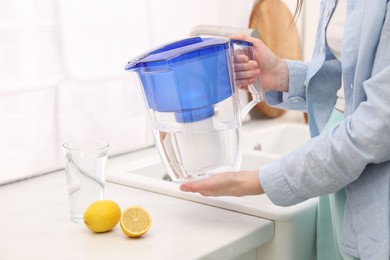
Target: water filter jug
189, 90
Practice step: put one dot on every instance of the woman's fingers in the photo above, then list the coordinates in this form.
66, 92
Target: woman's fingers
246, 73
243, 83
251, 65
240, 57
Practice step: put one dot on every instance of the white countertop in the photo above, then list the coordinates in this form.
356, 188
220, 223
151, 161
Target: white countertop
35, 224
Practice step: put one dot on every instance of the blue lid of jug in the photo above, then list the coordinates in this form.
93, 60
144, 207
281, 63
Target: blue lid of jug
186, 77
175, 50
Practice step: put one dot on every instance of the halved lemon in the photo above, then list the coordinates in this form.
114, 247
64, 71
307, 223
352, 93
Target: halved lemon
135, 221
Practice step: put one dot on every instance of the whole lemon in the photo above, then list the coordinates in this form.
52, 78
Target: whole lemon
102, 216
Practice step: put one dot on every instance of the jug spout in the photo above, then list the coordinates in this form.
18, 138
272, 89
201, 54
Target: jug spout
164, 52
133, 64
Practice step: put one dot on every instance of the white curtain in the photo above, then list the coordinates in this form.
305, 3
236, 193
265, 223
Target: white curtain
62, 76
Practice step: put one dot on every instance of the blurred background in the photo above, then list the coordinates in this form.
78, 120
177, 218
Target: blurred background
62, 70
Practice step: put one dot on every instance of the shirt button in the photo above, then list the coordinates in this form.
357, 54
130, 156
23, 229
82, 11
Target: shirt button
322, 49
305, 83
327, 13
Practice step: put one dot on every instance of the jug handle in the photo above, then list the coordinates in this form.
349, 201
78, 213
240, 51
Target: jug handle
255, 88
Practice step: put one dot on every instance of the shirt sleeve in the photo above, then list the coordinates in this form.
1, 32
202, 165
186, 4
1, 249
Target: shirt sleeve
295, 99
339, 155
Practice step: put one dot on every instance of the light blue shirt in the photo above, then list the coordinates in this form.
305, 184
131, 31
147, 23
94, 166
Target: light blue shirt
354, 154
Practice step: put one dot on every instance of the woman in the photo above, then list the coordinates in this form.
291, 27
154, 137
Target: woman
345, 90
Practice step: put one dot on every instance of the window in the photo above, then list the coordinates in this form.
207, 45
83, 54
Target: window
62, 77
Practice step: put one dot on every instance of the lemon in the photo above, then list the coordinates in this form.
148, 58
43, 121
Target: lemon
135, 221
102, 216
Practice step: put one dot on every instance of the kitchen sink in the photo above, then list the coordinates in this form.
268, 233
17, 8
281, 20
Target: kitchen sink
294, 226
152, 176
259, 147
276, 140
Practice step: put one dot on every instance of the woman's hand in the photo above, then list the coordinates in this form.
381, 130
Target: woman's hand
273, 71
226, 184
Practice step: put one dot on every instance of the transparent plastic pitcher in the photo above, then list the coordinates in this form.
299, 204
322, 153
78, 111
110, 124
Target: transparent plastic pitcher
189, 90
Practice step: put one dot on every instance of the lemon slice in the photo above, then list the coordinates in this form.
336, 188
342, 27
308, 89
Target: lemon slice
135, 221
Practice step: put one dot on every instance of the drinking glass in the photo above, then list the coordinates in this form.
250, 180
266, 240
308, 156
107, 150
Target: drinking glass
85, 167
